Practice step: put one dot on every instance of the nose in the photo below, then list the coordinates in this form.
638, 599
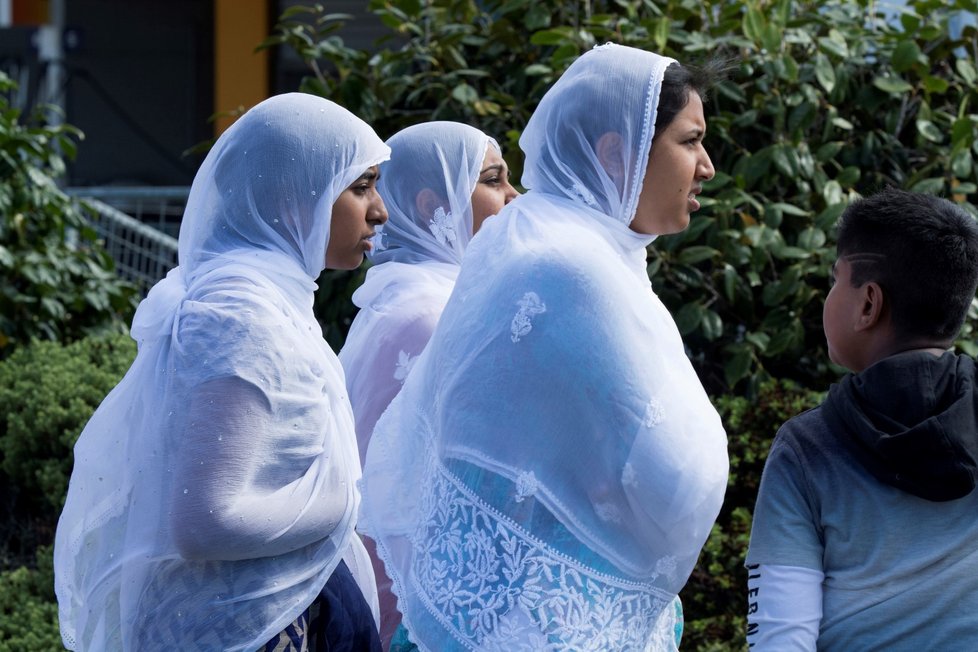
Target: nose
511, 193
704, 168
377, 214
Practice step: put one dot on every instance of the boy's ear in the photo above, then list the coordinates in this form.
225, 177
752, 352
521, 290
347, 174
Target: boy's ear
872, 309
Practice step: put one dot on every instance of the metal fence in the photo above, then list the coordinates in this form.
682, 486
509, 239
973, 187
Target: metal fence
160, 207
142, 254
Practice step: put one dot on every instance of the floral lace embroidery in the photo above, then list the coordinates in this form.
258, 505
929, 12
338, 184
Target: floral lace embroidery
403, 367
526, 485
442, 228
494, 587
584, 194
628, 476
530, 305
379, 241
654, 413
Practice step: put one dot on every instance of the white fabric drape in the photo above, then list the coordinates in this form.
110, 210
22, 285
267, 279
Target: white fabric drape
418, 256
416, 262
552, 466
213, 491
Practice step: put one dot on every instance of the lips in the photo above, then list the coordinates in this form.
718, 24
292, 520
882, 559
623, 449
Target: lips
694, 204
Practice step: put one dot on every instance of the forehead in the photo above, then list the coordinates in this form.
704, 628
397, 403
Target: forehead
691, 115
493, 157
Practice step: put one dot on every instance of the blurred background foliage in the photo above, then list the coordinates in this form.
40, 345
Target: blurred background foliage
56, 281
824, 101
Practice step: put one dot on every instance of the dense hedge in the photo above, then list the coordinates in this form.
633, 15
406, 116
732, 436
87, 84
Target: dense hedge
48, 391
715, 598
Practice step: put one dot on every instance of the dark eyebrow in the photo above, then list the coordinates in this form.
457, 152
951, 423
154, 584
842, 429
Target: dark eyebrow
695, 132
369, 175
498, 167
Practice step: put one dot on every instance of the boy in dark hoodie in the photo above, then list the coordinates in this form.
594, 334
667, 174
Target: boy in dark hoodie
865, 532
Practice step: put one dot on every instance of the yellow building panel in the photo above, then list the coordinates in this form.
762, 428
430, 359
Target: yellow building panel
240, 73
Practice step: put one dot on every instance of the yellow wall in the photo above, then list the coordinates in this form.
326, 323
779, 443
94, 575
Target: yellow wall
240, 73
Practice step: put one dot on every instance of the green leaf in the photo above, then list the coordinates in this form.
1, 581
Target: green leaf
824, 72
535, 69
738, 364
935, 84
905, 55
790, 253
712, 325
932, 186
835, 43
730, 279
754, 24
771, 38
832, 192
962, 133
811, 238
689, 317
827, 151
892, 85
465, 93
696, 254
554, 36
791, 209
929, 130
967, 70
962, 164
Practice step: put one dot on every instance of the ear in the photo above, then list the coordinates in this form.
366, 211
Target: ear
609, 150
427, 201
872, 311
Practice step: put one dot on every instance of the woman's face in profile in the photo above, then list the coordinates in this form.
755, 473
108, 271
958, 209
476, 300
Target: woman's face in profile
678, 166
492, 190
357, 212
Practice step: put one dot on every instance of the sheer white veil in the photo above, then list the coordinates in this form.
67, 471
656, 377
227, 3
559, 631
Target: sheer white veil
417, 260
213, 490
444, 158
552, 466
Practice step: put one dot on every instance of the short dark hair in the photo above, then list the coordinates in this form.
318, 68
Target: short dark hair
679, 81
922, 251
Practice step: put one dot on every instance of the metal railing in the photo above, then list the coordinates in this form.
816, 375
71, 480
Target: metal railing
142, 254
160, 207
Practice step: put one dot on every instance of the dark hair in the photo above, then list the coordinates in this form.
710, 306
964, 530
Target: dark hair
681, 80
922, 251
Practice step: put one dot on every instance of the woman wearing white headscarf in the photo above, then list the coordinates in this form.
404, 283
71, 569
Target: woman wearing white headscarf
443, 180
552, 466
213, 497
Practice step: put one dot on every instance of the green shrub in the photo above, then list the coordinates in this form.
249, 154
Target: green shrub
826, 100
56, 281
715, 598
48, 392
28, 611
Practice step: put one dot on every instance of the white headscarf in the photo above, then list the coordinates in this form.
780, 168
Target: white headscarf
213, 490
414, 271
552, 466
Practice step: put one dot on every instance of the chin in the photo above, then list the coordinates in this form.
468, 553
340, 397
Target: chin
345, 264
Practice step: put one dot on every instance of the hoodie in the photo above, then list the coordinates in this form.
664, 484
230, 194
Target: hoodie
910, 420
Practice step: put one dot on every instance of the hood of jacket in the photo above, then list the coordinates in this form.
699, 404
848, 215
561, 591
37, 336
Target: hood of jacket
910, 419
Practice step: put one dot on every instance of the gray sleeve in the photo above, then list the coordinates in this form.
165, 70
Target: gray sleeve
785, 530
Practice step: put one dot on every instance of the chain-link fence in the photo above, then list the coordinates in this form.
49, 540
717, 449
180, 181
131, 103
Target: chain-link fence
142, 253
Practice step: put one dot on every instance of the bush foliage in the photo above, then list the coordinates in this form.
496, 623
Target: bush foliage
48, 392
827, 100
56, 281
